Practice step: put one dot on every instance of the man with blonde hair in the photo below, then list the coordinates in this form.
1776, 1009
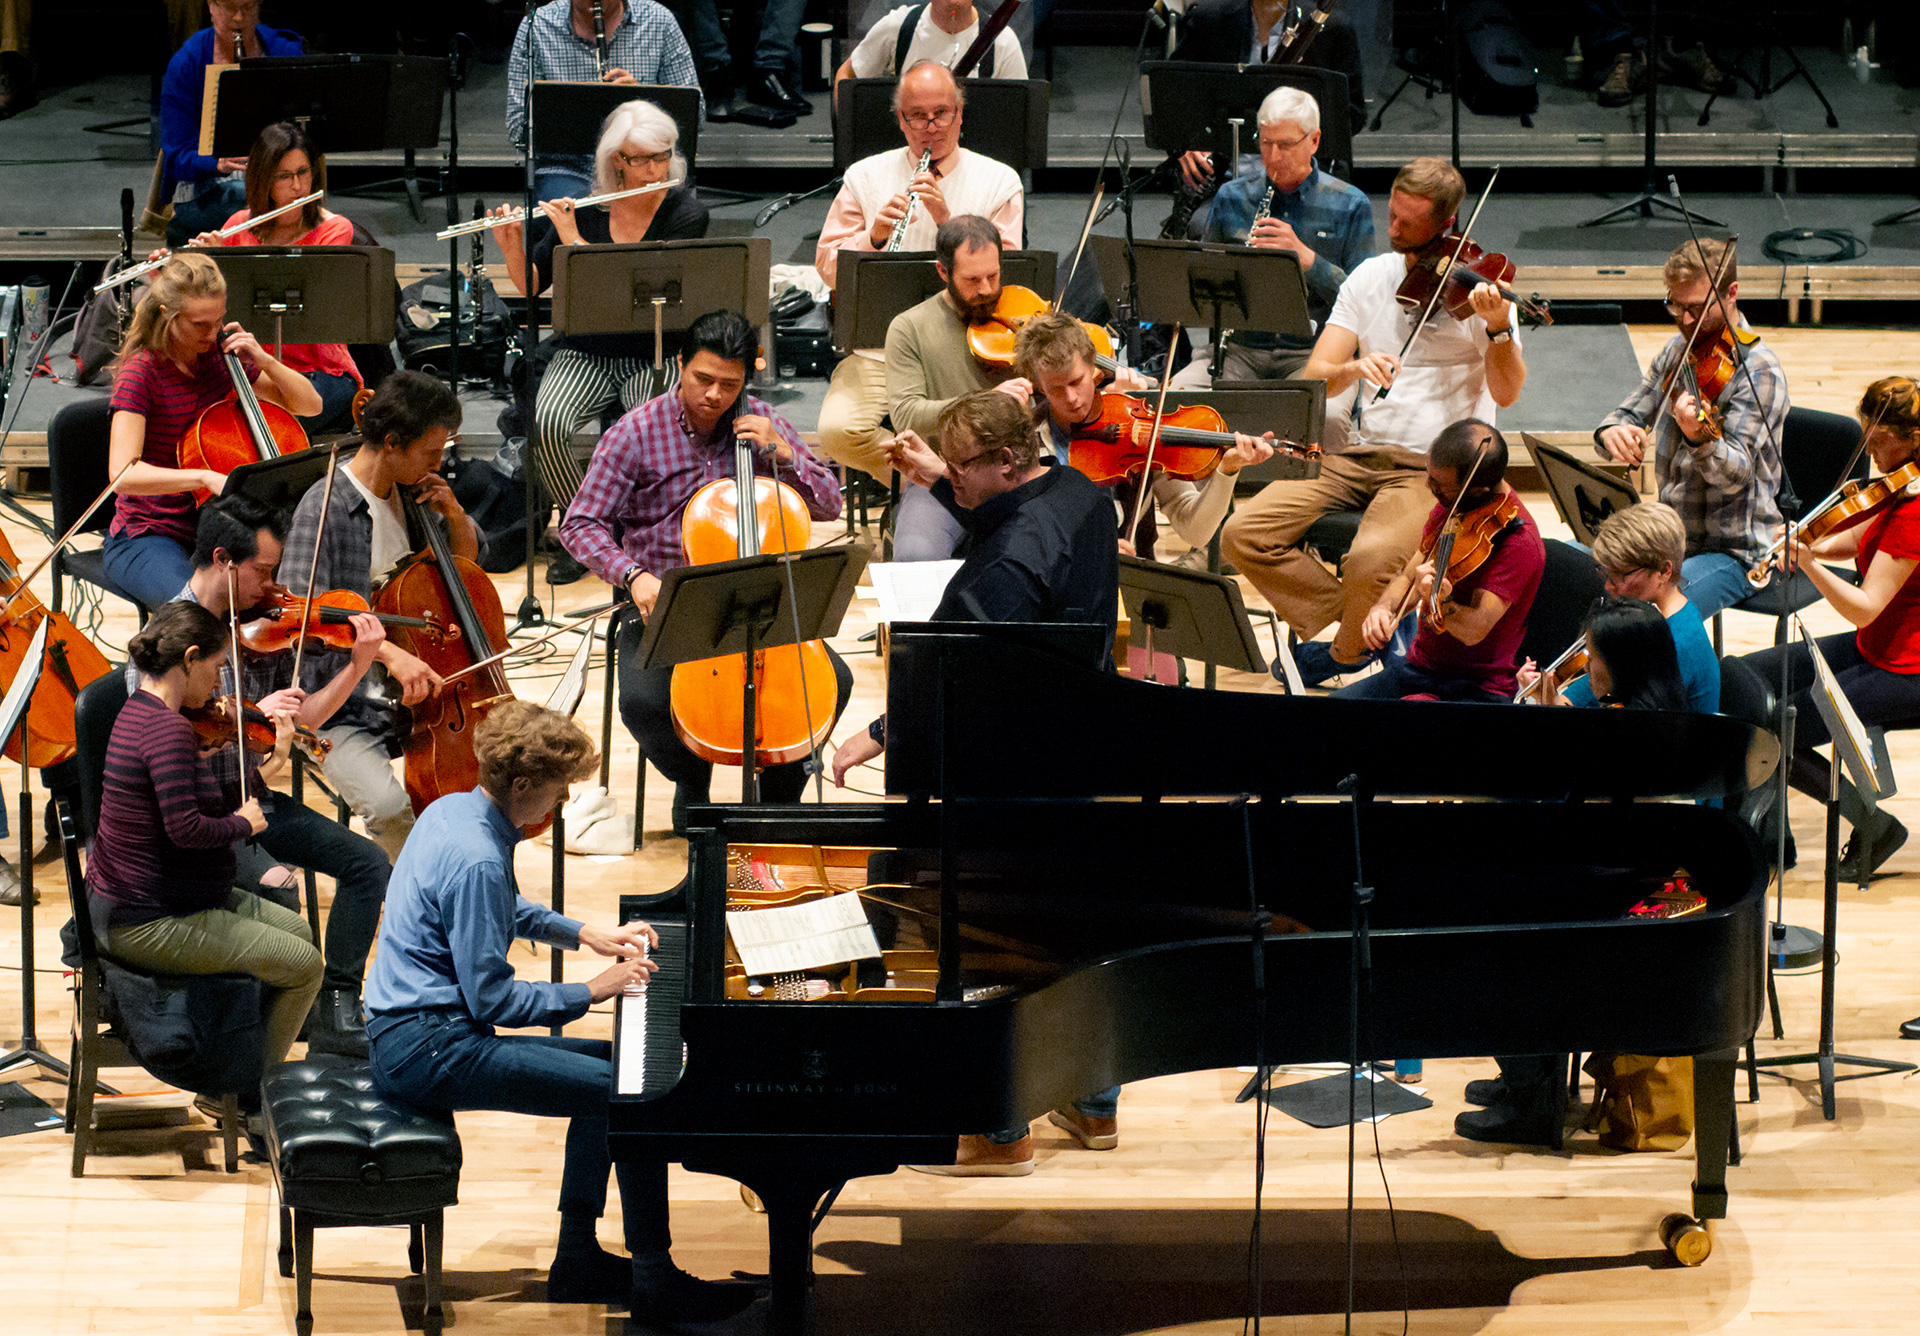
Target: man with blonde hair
1641, 550
442, 982
1716, 456
1376, 443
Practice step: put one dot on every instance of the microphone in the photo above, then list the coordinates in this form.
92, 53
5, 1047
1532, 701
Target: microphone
765, 215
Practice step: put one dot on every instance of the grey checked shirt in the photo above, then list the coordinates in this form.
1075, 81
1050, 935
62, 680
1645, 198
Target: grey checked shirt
646, 43
1726, 490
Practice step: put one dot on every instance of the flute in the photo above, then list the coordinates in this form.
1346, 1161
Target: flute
519, 214
900, 228
146, 267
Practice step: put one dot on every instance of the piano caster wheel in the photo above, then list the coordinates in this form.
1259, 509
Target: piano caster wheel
754, 1204
1686, 1239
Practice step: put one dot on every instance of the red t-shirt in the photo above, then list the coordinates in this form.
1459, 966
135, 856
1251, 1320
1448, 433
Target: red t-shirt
307, 358
154, 388
1892, 640
1511, 574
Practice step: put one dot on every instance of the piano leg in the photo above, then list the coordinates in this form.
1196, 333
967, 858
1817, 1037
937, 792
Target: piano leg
790, 1191
1713, 1114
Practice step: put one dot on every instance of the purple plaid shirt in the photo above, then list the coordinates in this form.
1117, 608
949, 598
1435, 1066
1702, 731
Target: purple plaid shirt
626, 515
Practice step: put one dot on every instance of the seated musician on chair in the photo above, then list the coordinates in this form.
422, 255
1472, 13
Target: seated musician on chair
624, 524
443, 981
1640, 549
1466, 653
405, 426
160, 869
1039, 548
1326, 223
941, 31
1055, 356
1455, 369
285, 166
204, 190
1723, 475
171, 370
1877, 665
930, 108
639, 145
238, 550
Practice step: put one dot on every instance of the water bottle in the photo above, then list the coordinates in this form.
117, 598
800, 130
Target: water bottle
1406, 1070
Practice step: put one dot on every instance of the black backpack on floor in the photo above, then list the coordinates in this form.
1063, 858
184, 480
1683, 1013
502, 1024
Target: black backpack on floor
424, 322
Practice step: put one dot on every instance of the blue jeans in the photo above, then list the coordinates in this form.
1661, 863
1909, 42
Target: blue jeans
336, 403
442, 1062
217, 201
1398, 678
1712, 581
151, 568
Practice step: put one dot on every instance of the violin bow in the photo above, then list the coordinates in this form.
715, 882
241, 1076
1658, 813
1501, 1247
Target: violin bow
313, 566
1086, 231
1686, 354
239, 697
579, 624
1153, 443
66, 537
1433, 298
1443, 536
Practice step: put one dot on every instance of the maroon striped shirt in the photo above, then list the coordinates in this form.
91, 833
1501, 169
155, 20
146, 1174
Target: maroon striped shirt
153, 387
164, 844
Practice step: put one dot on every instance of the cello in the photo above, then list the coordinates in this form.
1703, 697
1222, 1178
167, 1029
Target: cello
794, 689
69, 662
240, 429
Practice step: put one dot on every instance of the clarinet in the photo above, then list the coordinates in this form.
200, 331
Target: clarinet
239, 48
599, 42
900, 228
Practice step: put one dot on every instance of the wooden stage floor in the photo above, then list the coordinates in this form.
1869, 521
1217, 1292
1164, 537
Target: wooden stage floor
1822, 1234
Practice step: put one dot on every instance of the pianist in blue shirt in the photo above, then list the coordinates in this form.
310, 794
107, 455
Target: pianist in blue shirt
441, 984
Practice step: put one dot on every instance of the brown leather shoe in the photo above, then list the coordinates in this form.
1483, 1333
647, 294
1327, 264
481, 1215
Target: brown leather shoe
1696, 67
977, 1157
1624, 81
1093, 1133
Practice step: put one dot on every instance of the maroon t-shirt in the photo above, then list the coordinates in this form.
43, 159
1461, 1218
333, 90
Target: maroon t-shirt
154, 387
1511, 574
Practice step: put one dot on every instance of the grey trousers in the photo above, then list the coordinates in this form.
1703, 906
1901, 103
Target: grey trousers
361, 772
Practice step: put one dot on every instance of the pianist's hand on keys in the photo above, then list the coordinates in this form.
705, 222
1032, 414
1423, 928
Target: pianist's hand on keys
629, 944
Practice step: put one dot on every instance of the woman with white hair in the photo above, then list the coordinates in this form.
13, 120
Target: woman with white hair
589, 372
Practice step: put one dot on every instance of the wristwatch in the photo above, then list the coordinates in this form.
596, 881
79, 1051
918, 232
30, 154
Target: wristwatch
1500, 335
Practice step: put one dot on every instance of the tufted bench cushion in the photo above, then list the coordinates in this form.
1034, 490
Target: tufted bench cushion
341, 1150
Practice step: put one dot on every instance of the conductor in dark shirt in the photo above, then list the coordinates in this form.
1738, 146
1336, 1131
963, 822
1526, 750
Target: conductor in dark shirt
1038, 548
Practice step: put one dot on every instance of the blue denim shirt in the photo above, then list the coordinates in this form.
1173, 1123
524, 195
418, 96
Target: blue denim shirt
1332, 217
453, 910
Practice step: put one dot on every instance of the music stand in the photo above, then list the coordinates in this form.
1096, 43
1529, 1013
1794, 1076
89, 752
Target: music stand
1189, 104
570, 115
1853, 749
1293, 410
744, 606
1585, 494
1189, 614
614, 289
310, 294
1005, 119
279, 483
1651, 196
875, 286
13, 719
1203, 285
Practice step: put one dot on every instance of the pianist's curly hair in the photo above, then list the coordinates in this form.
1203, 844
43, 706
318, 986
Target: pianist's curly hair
519, 739
1894, 402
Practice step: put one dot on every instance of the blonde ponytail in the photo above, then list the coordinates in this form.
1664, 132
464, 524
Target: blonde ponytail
186, 276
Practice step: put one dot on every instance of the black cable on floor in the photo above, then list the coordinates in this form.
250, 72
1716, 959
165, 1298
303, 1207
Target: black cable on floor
1813, 245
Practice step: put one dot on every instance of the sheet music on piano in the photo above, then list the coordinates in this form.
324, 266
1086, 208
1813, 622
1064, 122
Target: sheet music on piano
909, 591
791, 938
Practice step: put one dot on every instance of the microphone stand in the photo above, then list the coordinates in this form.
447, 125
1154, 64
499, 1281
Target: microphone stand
1131, 302
530, 613
1651, 197
786, 202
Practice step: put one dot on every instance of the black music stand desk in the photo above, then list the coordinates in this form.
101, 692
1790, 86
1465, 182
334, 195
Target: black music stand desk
310, 294
1208, 286
744, 606
1585, 494
1189, 614
568, 116
1005, 119
612, 289
1188, 104
875, 286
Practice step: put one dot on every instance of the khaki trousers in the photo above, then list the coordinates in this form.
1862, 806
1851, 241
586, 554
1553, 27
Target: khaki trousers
850, 416
1264, 540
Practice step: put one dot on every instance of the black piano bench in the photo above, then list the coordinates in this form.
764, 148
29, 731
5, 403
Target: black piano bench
344, 1156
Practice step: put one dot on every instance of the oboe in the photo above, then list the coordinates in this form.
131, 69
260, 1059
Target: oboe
1265, 209
599, 42
900, 228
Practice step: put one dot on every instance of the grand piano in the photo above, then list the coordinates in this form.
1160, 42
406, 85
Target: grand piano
1089, 862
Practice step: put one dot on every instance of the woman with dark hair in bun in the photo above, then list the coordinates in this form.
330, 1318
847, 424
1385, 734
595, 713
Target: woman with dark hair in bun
160, 869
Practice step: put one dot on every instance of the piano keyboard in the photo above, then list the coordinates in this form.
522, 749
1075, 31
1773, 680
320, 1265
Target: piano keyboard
647, 1050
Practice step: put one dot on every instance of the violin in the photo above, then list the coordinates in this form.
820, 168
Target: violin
992, 340
284, 619
1708, 372
1438, 270
1113, 446
1853, 505
69, 662
1572, 663
1463, 545
213, 724
795, 690
240, 429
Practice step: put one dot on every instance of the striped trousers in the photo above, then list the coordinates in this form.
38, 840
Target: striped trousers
577, 388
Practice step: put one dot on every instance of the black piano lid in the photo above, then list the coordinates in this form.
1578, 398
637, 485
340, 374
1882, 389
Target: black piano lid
1025, 723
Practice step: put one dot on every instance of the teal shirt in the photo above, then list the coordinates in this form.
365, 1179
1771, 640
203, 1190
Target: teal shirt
1699, 665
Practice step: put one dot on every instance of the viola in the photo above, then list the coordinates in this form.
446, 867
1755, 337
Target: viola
283, 620
1571, 664
992, 340
1854, 504
1113, 446
1437, 269
240, 429
795, 690
1464, 544
69, 662
1708, 372
214, 725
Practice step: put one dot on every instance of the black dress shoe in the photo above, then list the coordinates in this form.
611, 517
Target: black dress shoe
668, 1294
597, 1277
562, 569
768, 89
1487, 1093
1888, 836
1910, 1029
1505, 1125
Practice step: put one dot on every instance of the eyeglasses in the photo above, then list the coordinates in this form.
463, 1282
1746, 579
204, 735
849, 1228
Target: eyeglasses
1692, 310
659, 159
297, 174
1283, 145
939, 120
238, 8
962, 465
